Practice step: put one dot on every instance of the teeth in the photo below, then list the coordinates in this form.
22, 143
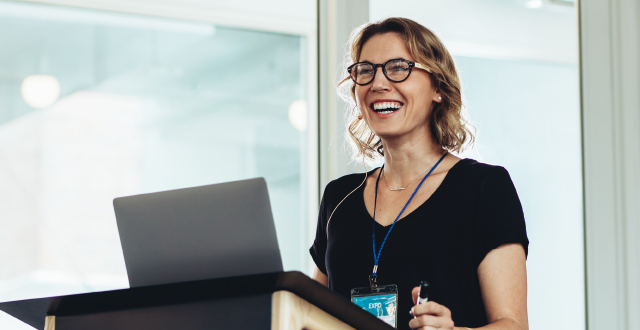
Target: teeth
386, 105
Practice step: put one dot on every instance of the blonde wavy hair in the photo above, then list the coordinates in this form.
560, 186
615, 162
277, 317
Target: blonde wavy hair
448, 121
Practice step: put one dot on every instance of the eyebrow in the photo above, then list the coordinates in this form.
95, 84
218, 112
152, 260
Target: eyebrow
391, 59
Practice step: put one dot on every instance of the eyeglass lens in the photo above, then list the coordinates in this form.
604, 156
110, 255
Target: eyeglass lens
396, 71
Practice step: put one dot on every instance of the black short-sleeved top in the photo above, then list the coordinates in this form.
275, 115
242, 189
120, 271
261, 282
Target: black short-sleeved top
475, 210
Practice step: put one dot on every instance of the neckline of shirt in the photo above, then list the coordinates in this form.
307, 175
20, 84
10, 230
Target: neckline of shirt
435, 194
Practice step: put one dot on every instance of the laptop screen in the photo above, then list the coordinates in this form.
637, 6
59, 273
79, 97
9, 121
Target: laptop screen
206, 232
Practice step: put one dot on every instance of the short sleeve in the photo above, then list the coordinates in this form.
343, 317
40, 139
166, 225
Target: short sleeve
319, 248
499, 217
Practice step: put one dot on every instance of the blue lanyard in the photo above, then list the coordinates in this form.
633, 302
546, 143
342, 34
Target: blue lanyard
375, 203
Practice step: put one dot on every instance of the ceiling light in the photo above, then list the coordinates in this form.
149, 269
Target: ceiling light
298, 114
534, 4
40, 91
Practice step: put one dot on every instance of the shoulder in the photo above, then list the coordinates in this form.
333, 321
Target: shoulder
470, 172
475, 168
339, 188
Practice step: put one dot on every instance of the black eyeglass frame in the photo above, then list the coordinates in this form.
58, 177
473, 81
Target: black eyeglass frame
384, 70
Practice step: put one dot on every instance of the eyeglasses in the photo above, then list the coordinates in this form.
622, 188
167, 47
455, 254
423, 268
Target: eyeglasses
396, 70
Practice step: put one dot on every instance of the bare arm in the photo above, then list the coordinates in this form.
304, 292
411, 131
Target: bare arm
320, 277
503, 282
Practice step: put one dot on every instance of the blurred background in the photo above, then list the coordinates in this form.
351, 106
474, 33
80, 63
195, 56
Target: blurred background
96, 104
101, 99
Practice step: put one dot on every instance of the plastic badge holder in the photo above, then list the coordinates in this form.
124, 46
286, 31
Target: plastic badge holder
382, 302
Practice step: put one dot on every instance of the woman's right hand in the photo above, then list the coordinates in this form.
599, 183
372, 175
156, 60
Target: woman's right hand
430, 315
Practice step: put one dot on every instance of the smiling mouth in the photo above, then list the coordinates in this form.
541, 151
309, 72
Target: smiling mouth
386, 107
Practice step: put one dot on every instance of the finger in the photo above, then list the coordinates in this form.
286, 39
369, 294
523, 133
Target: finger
425, 321
414, 293
431, 308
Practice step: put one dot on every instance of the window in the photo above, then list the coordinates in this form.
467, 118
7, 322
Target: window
96, 105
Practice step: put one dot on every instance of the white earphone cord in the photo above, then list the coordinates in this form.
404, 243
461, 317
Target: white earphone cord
345, 197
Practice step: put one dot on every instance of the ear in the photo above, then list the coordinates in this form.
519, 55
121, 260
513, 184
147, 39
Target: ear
437, 97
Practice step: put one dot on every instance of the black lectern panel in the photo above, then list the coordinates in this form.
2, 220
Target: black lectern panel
231, 313
30, 311
242, 300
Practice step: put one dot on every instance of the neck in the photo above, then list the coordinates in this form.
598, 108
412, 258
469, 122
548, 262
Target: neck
406, 159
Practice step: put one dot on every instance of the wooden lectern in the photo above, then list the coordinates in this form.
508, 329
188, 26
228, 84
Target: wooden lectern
284, 300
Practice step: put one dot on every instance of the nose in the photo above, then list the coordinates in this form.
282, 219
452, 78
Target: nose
380, 82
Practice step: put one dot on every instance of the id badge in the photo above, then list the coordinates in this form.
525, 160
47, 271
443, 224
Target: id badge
382, 302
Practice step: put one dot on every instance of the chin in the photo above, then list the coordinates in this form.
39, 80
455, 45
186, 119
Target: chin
389, 133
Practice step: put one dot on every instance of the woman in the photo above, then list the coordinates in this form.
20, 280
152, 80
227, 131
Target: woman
461, 227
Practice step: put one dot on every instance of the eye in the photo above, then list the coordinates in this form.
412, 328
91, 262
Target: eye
364, 70
397, 66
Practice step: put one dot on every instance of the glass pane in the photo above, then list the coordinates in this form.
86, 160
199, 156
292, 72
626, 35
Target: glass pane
518, 65
96, 105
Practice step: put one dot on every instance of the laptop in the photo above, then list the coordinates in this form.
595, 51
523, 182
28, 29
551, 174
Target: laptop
206, 232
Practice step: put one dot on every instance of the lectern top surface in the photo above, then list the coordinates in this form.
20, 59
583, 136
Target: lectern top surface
206, 232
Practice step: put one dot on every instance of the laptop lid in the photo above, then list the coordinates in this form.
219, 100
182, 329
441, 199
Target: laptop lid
206, 232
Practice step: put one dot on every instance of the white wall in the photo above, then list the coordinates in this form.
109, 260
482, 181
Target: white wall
495, 29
